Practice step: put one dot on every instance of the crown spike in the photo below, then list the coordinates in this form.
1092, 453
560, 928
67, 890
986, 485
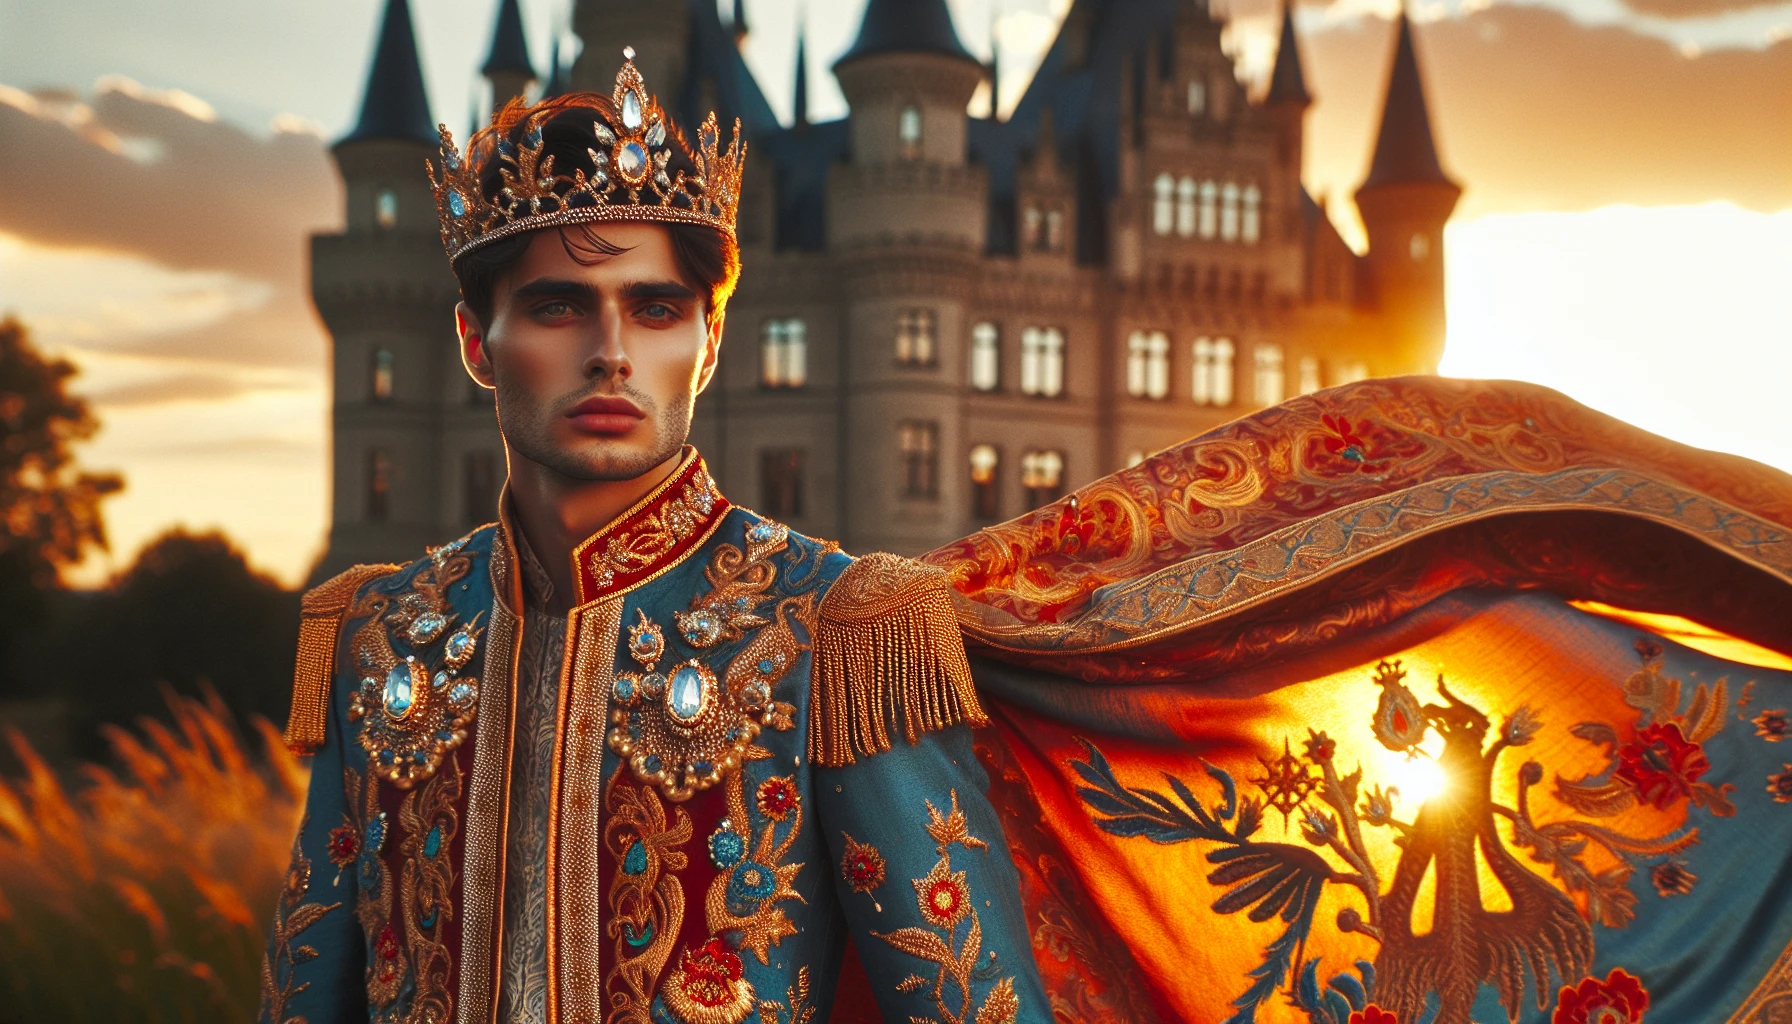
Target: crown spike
628, 53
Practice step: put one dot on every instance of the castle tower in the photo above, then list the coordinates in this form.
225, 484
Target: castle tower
1404, 203
402, 411
508, 68
1287, 102
659, 31
906, 222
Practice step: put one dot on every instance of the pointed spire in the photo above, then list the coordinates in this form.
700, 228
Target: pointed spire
738, 22
995, 67
1288, 83
395, 105
906, 26
1405, 150
800, 104
559, 71
510, 47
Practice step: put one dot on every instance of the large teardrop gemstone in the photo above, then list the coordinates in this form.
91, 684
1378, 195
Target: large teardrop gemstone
631, 110
399, 690
685, 693
631, 160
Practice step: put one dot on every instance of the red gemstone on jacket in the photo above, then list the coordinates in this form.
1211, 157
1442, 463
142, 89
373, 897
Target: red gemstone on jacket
1619, 999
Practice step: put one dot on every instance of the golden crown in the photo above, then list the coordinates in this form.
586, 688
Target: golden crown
639, 167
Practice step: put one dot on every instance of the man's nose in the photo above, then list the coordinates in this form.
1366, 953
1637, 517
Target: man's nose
607, 358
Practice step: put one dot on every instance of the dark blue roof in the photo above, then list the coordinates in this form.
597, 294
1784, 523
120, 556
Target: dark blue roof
1404, 148
395, 105
1288, 82
715, 72
510, 50
906, 26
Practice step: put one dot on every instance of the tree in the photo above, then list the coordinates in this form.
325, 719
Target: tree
51, 507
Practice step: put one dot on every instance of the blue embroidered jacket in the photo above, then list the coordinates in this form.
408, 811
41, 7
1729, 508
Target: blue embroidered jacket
762, 760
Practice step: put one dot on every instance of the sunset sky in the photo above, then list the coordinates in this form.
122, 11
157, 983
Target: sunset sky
1625, 234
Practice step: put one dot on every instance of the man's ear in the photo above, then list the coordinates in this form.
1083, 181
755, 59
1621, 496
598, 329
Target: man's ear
473, 354
712, 351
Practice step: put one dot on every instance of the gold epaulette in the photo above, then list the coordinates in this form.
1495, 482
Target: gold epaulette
887, 655
320, 623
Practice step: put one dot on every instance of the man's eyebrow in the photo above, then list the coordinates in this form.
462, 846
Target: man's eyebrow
659, 290
556, 288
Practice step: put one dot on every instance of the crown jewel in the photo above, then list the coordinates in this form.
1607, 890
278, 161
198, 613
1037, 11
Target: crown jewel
638, 167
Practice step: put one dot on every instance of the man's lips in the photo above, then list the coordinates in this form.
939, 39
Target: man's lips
605, 415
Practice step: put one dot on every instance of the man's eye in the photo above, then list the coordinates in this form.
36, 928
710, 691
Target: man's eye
555, 310
657, 311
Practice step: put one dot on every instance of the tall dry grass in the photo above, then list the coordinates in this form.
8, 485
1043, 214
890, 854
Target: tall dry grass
146, 895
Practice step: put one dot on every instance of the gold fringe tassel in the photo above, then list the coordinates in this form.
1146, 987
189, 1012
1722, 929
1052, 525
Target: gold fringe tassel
320, 623
888, 657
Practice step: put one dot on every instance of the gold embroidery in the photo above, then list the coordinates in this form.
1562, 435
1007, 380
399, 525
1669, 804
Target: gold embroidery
279, 968
745, 897
653, 534
737, 583
862, 865
646, 899
413, 718
800, 1010
944, 900
888, 657
430, 824
386, 960
320, 624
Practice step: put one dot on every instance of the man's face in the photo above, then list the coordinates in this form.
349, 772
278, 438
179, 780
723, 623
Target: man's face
596, 358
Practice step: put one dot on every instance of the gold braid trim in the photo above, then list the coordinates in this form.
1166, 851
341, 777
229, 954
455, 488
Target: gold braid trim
887, 654
320, 623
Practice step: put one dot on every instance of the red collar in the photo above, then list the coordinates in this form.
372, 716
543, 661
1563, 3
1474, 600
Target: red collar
654, 535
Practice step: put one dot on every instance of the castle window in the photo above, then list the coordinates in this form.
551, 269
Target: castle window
1213, 371
1229, 212
379, 486
1185, 207
1163, 209
382, 375
908, 129
1210, 193
479, 479
783, 353
781, 482
915, 331
1134, 457
1269, 376
1148, 364
1042, 476
1419, 247
984, 497
1031, 224
385, 209
1042, 361
1054, 230
1252, 227
1351, 372
1309, 375
918, 442
1197, 97
986, 357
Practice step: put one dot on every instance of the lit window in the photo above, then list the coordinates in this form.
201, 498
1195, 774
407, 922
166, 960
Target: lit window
1197, 97
385, 209
986, 357
1042, 476
1419, 247
1229, 213
918, 442
915, 330
1134, 457
1185, 207
1148, 364
1252, 228
984, 498
1351, 372
382, 375
1213, 371
908, 129
1269, 382
1163, 209
783, 353
379, 486
781, 482
1210, 194
1031, 224
1042, 361
1054, 230
479, 474
1309, 375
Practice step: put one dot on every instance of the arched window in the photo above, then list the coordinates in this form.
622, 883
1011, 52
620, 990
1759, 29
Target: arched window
1163, 212
1229, 212
1351, 372
1185, 207
986, 357
1419, 247
1212, 371
1309, 375
1134, 457
379, 486
1042, 361
1054, 230
385, 209
1269, 375
1197, 97
1032, 223
908, 130
915, 335
918, 442
1042, 475
783, 353
1252, 227
1210, 194
985, 499
1148, 364
383, 381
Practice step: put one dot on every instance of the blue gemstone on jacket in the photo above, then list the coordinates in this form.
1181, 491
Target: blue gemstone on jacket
726, 849
635, 860
398, 690
684, 697
752, 883
432, 843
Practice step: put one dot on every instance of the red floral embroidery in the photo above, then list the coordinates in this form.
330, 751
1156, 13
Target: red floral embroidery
1661, 764
708, 976
943, 896
1347, 444
1619, 999
343, 844
777, 797
1780, 785
861, 865
1771, 725
385, 952
1373, 1014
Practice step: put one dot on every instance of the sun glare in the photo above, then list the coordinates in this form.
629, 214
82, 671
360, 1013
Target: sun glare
1418, 780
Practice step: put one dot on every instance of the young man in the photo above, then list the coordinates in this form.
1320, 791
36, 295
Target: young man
632, 754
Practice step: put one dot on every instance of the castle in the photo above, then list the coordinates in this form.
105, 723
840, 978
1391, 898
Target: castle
945, 320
